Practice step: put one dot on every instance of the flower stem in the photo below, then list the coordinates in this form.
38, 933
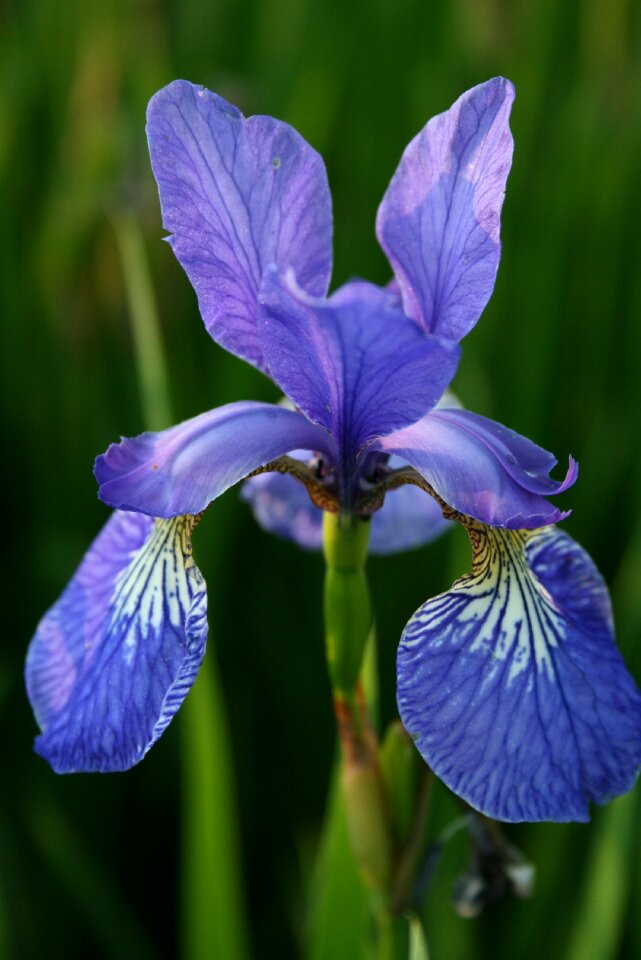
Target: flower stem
348, 620
348, 615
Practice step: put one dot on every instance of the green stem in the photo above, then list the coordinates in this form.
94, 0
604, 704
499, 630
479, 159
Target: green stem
149, 353
348, 614
348, 619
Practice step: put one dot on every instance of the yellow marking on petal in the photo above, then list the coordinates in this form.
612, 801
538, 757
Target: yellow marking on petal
156, 584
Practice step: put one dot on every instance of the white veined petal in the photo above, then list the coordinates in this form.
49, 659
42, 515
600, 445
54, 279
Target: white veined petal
512, 685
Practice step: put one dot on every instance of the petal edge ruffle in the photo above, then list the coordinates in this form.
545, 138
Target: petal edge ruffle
481, 468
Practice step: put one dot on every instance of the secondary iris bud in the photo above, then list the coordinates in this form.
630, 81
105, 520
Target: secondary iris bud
367, 824
401, 766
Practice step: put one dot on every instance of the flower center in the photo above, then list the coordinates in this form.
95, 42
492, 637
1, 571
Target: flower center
360, 490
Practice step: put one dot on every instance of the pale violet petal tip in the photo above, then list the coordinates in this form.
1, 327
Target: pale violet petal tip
237, 195
113, 659
513, 687
439, 221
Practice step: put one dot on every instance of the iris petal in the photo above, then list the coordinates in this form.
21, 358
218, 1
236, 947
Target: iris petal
113, 659
355, 364
512, 684
408, 518
439, 222
182, 469
237, 195
481, 468
526, 463
281, 506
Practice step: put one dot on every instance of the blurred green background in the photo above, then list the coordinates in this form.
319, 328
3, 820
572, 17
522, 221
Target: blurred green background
90, 866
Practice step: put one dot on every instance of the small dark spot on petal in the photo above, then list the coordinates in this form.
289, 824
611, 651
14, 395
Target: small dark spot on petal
154, 466
276, 162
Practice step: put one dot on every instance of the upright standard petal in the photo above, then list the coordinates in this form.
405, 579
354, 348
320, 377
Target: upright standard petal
113, 659
181, 470
237, 195
512, 684
439, 221
355, 364
481, 468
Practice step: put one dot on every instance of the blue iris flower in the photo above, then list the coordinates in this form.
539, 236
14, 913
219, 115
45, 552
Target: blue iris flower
511, 682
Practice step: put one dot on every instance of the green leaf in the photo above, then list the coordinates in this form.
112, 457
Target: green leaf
214, 925
602, 910
401, 766
339, 916
418, 944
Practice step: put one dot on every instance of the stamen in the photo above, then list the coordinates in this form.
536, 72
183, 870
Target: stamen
372, 499
315, 477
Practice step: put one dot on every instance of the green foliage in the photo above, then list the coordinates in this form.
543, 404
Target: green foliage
214, 924
555, 356
604, 902
418, 946
339, 915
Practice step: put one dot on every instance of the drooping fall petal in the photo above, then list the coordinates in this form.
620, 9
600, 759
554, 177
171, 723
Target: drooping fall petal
513, 687
113, 659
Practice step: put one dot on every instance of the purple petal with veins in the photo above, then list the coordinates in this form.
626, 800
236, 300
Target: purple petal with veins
181, 470
113, 659
353, 363
481, 468
439, 221
513, 687
237, 195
